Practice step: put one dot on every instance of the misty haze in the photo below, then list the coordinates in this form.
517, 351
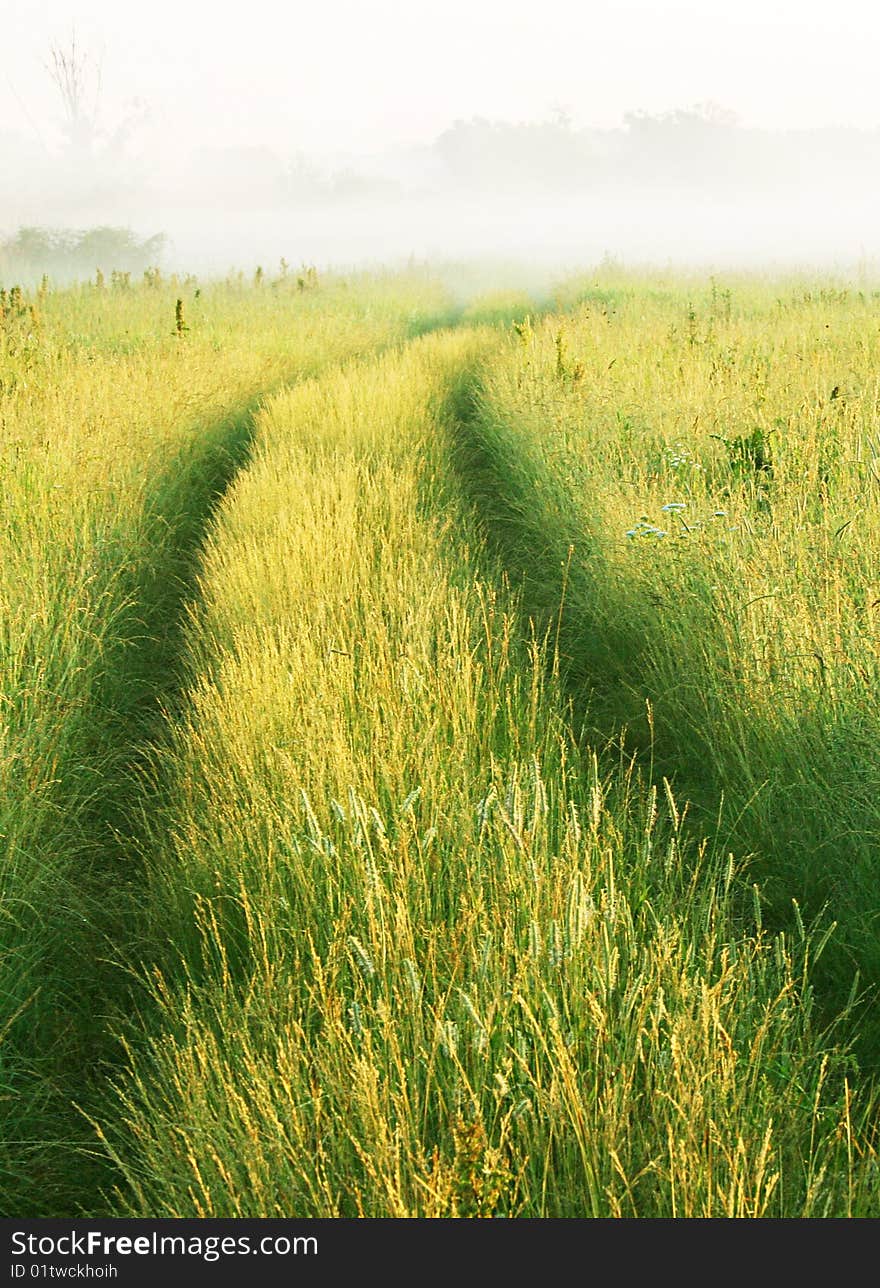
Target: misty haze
688, 186
690, 183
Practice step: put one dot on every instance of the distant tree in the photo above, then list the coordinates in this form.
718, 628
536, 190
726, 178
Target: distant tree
67, 255
78, 82
545, 154
78, 77
687, 145
705, 117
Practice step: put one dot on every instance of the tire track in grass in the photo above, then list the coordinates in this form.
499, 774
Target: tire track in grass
64, 1043
138, 677
602, 645
227, 846
532, 533
139, 682
415, 957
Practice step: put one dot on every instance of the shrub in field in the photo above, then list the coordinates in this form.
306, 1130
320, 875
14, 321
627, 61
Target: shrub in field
66, 255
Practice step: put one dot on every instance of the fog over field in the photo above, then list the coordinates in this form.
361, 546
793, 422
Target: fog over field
359, 134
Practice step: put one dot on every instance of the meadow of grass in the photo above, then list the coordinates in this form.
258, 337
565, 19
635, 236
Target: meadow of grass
120, 428
417, 951
697, 470
408, 826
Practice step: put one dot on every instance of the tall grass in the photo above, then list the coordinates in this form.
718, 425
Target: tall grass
408, 949
119, 435
699, 466
396, 822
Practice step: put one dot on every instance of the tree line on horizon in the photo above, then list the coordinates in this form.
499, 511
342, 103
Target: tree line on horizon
66, 254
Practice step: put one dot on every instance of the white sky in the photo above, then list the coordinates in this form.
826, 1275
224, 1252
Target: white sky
358, 75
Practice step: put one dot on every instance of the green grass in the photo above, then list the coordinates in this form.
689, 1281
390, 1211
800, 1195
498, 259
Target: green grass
388, 832
698, 478
118, 440
422, 955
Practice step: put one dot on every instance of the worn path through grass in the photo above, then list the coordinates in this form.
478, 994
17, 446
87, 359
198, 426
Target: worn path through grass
129, 679
413, 951
74, 867
645, 666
